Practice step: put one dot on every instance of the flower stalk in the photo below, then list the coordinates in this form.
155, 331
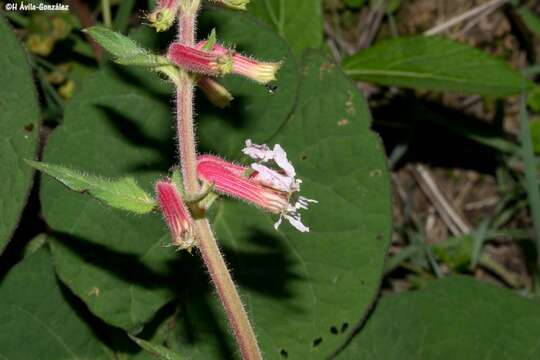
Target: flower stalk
207, 245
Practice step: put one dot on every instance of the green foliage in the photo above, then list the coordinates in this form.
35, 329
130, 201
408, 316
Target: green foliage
320, 283
531, 20
125, 50
157, 351
122, 194
38, 317
300, 22
531, 171
19, 129
434, 63
453, 318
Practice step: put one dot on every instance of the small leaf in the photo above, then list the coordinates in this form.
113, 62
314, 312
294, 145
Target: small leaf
127, 51
434, 63
160, 352
452, 318
209, 45
122, 194
117, 44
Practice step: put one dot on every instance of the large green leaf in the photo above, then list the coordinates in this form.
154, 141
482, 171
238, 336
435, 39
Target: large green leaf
454, 318
19, 121
121, 124
305, 291
434, 63
36, 319
300, 22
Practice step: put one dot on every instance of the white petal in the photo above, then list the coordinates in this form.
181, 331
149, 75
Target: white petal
258, 152
297, 223
280, 157
276, 225
272, 178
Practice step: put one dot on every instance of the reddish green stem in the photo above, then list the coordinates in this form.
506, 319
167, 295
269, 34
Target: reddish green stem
221, 278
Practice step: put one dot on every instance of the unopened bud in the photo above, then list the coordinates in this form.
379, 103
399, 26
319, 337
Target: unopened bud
176, 215
215, 92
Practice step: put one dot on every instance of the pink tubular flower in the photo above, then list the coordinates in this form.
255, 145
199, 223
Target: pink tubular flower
176, 215
261, 72
265, 187
221, 61
199, 60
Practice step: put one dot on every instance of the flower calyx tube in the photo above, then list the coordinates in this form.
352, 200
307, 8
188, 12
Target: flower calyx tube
219, 61
176, 215
272, 188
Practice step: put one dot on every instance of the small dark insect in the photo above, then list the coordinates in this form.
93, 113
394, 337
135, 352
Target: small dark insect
271, 88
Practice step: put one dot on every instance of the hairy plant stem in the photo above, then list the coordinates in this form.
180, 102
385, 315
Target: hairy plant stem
221, 278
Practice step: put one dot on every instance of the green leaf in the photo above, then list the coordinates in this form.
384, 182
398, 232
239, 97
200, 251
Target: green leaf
531, 20
37, 318
123, 193
535, 134
19, 129
117, 44
531, 171
434, 63
160, 352
453, 318
300, 22
125, 50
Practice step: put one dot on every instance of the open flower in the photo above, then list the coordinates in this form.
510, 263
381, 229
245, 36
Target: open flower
220, 61
176, 215
269, 183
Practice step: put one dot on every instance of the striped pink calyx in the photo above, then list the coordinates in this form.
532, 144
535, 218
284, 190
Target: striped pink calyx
176, 215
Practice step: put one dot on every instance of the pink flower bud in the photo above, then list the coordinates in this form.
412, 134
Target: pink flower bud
269, 189
164, 14
261, 72
215, 92
200, 61
176, 215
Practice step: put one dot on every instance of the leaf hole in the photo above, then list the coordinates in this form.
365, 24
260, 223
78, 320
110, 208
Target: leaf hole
334, 330
284, 354
29, 127
344, 327
317, 342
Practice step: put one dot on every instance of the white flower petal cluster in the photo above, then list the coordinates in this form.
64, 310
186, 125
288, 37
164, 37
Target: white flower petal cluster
283, 179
